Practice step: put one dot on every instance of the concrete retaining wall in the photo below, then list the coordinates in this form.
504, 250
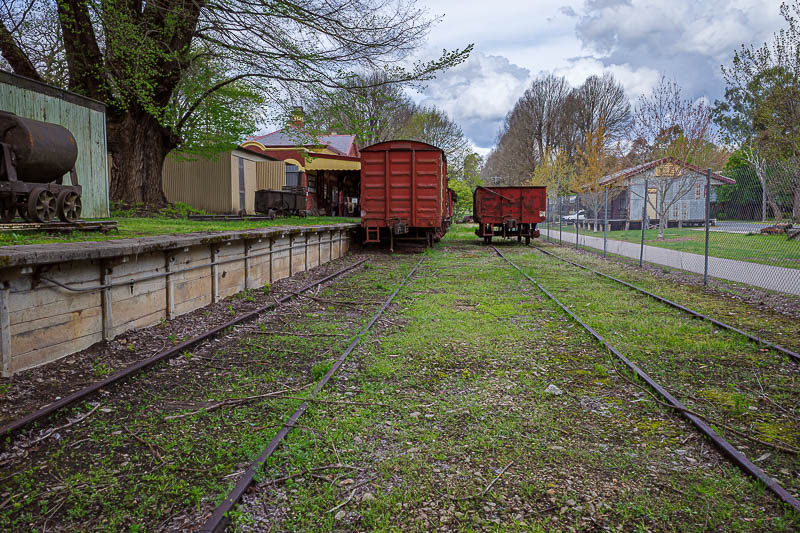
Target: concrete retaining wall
116, 286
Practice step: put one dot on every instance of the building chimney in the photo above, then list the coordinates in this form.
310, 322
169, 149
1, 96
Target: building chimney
297, 120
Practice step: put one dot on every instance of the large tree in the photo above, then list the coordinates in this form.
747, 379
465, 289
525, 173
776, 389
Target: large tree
761, 110
133, 55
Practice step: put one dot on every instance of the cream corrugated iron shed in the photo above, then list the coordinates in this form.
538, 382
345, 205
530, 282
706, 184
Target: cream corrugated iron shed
223, 184
84, 117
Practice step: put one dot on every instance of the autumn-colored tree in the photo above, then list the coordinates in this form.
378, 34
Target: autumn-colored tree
596, 159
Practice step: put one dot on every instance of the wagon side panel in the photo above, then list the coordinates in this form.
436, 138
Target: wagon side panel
373, 188
427, 189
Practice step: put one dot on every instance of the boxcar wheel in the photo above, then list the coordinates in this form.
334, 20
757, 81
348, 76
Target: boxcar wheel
68, 206
41, 205
527, 241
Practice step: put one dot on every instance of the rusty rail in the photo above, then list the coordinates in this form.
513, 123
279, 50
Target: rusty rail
794, 355
219, 520
727, 448
126, 373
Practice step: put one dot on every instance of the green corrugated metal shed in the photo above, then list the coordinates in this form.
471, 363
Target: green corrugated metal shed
84, 117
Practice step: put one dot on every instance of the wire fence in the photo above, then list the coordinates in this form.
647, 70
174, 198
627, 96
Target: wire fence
747, 230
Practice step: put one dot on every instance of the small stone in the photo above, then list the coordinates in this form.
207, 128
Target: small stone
340, 515
347, 481
571, 502
428, 415
413, 450
368, 497
415, 414
552, 389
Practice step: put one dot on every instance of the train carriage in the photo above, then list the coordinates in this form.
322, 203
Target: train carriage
508, 212
404, 194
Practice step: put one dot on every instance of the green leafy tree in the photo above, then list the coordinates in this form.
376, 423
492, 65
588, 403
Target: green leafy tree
372, 109
134, 56
762, 107
432, 125
221, 119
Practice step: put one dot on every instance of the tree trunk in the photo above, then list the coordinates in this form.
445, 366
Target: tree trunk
796, 198
138, 145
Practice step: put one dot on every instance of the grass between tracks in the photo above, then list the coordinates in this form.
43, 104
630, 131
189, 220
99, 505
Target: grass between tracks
413, 433
461, 434
161, 450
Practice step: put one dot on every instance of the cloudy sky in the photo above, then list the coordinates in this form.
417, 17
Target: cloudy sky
636, 40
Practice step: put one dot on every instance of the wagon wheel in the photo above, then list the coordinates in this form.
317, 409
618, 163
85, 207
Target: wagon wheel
68, 206
8, 209
41, 205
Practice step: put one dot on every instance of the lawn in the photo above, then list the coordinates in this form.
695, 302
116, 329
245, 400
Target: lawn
145, 226
774, 250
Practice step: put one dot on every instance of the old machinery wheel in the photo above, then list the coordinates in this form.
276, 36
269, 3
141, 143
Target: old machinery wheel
68, 206
8, 209
41, 205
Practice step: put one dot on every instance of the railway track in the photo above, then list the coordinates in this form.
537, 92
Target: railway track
219, 519
668, 399
126, 373
772, 346
278, 334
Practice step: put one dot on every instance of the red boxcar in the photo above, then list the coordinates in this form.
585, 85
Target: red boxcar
508, 211
404, 193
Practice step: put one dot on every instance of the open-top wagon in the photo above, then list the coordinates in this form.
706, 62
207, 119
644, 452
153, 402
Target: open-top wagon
508, 212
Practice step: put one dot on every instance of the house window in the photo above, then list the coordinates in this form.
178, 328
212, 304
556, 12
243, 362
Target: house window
312, 184
292, 176
697, 192
683, 210
675, 211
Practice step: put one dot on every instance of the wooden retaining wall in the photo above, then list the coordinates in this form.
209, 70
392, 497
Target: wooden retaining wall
116, 286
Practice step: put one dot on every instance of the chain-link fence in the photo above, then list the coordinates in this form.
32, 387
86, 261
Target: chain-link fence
747, 230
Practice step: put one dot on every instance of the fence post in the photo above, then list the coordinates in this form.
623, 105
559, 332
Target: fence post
560, 211
708, 223
644, 223
577, 209
605, 219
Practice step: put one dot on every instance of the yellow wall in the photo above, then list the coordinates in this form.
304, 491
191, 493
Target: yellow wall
202, 183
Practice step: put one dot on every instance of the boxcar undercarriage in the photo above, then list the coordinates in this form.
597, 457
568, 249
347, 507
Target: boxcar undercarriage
508, 230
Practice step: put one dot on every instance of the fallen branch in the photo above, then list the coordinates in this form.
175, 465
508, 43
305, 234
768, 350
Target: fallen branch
352, 493
296, 334
482, 493
150, 446
236, 401
81, 419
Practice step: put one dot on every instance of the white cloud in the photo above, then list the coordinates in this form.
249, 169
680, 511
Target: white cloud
636, 40
478, 93
636, 81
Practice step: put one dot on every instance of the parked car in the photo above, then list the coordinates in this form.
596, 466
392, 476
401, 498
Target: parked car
580, 216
